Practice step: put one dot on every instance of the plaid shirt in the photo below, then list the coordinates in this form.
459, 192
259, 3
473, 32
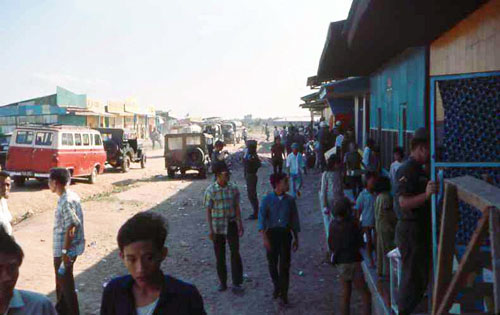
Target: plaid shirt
222, 201
68, 212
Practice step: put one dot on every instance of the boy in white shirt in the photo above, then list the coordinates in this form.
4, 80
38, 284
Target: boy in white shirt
5, 216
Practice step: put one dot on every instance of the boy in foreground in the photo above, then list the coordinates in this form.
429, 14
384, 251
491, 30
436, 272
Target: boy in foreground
14, 301
146, 290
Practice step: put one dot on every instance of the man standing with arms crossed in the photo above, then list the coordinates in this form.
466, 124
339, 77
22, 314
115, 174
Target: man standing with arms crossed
413, 231
222, 200
69, 240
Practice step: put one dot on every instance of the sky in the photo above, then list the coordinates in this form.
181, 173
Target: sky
204, 58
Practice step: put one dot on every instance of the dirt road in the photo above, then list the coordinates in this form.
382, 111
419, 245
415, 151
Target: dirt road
314, 286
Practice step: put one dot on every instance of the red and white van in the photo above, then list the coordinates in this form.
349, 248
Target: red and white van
34, 150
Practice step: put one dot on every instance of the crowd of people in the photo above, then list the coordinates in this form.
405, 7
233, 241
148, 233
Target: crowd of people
361, 208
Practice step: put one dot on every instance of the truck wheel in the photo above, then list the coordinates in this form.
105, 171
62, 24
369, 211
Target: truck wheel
126, 164
171, 173
143, 161
19, 181
93, 177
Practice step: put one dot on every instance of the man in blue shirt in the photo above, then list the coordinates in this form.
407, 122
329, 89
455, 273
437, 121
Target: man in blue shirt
278, 222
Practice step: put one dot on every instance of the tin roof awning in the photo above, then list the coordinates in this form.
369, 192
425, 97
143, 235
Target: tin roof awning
377, 30
338, 61
344, 88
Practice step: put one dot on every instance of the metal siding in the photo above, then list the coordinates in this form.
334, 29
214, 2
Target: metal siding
407, 73
73, 120
67, 98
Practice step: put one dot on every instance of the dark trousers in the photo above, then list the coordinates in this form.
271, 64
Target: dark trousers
252, 192
277, 166
67, 301
356, 185
415, 256
322, 161
220, 255
278, 258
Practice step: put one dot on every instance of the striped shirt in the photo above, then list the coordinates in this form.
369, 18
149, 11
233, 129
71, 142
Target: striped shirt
68, 212
222, 202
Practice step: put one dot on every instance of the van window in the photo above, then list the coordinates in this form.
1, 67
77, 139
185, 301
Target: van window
67, 139
78, 139
86, 140
97, 140
24, 137
44, 138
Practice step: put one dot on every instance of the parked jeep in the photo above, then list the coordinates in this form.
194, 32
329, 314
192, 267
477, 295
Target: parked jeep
122, 148
187, 151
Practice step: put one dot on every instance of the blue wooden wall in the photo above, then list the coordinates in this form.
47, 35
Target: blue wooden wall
407, 75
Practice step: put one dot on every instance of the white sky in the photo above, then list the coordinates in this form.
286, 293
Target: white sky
203, 57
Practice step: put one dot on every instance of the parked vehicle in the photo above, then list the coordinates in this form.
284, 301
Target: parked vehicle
238, 127
4, 147
228, 132
187, 151
122, 148
215, 130
35, 149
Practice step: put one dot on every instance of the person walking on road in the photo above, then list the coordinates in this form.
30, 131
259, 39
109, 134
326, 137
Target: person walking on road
5, 216
69, 240
266, 131
277, 155
276, 133
252, 164
295, 165
222, 200
156, 137
146, 290
413, 230
279, 223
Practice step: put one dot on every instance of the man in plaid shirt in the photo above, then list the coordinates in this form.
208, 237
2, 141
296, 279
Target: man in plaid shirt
222, 200
69, 240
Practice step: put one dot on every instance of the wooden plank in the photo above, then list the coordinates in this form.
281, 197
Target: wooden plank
495, 255
446, 250
476, 192
465, 263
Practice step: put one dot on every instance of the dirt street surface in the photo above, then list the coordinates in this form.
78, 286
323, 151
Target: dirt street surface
314, 284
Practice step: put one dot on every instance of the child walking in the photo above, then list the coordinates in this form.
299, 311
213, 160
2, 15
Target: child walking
345, 241
365, 206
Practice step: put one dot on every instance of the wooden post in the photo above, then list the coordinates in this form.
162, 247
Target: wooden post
465, 263
446, 250
495, 255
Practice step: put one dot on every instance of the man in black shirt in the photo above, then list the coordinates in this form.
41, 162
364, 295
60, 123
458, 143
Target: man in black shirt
413, 232
252, 164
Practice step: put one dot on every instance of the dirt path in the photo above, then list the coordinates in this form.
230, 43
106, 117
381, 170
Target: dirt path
314, 287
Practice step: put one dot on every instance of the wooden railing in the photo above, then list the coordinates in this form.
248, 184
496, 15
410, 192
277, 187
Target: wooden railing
486, 198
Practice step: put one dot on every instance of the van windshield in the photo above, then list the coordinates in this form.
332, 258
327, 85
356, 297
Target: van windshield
24, 137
